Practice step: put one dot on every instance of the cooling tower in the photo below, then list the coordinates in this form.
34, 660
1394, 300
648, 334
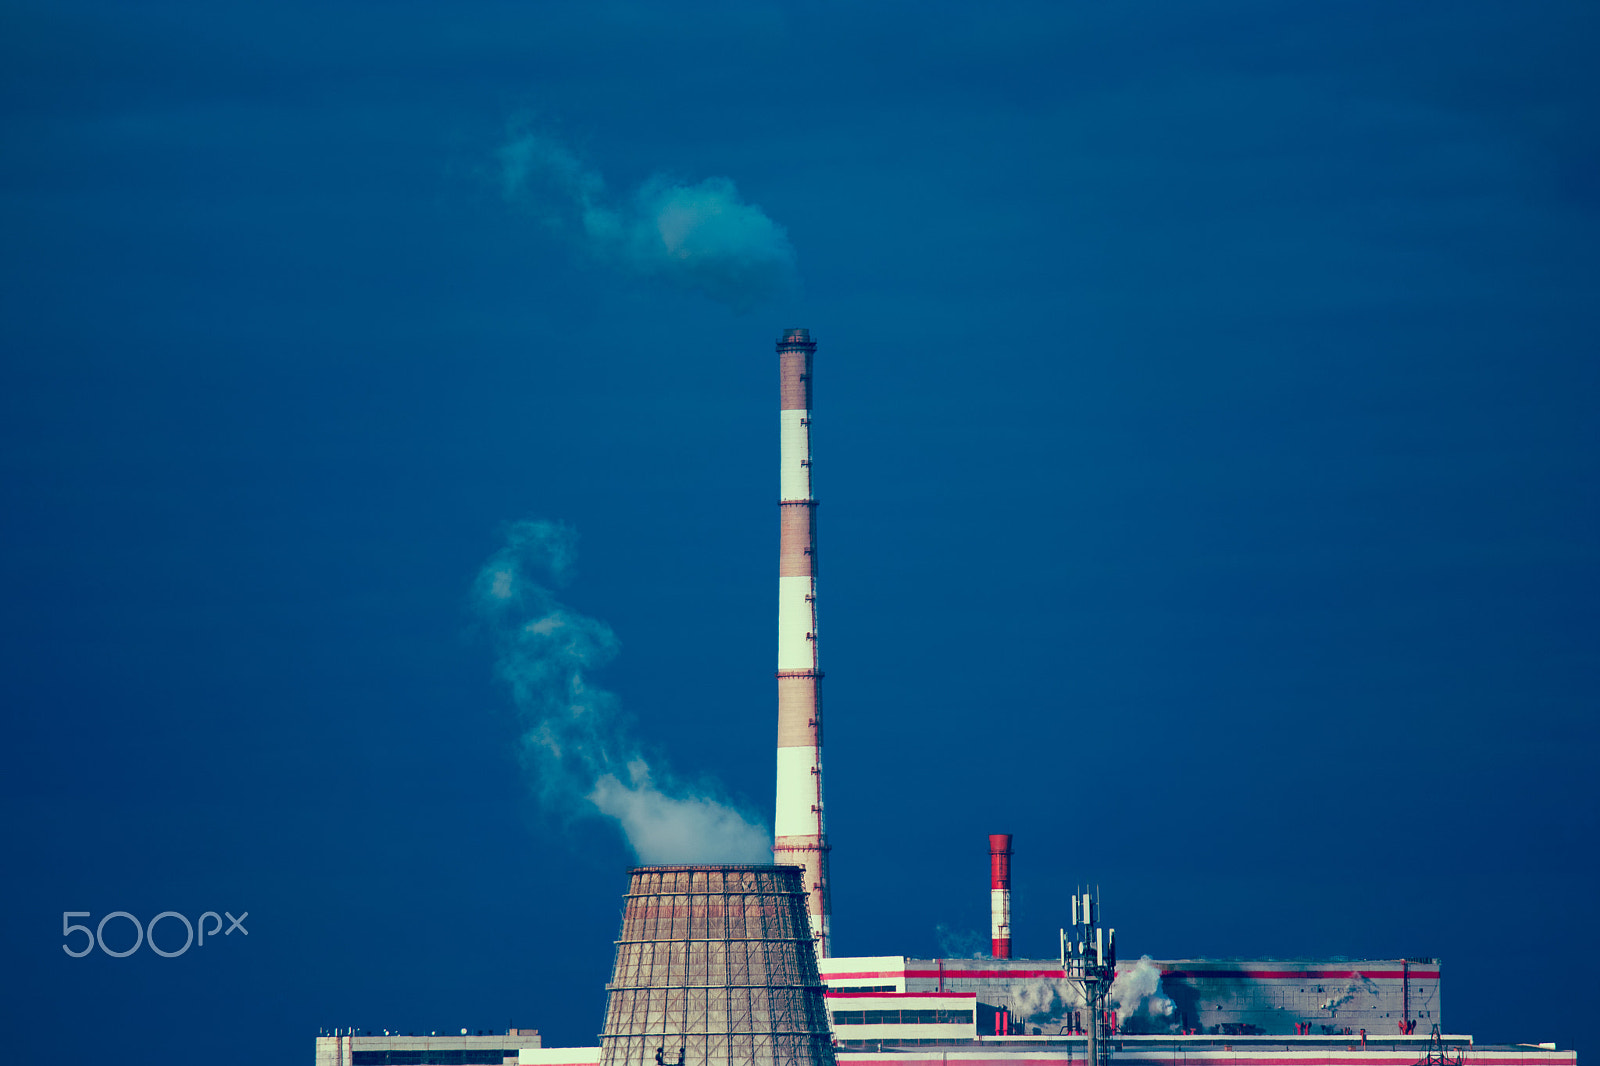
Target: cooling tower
799, 833
715, 966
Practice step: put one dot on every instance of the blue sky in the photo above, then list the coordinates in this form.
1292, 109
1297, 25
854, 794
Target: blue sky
1204, 432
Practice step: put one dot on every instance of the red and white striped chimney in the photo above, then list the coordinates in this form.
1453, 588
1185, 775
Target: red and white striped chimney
1000, 894
799, 836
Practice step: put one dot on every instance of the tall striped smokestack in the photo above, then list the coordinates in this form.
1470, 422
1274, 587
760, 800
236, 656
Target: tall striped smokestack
799, 838
1000, 894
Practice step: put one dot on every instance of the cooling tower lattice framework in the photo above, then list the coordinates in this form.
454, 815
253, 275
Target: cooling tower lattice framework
717, 962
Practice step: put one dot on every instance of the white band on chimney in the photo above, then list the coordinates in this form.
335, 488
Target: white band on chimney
797, 768
796, 637
1000, 913
794, 465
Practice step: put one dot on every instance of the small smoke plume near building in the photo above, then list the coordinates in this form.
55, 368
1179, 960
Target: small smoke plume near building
1348, 993
1046, 1001
699, 235
576, 743
1140, 1003
959, 943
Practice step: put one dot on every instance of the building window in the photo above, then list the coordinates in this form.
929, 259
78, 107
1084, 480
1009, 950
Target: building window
902, 1017
434, 1057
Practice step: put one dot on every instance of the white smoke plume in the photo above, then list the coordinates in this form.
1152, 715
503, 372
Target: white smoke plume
1136, 995
1339, 999
698, 235
576, 744
960, 943
1046, 1000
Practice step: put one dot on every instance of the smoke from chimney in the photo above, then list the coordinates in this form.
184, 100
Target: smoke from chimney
698, 235
576, 746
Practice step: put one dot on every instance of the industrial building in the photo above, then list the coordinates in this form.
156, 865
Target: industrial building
734, 965
1290, 997
347, 1047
